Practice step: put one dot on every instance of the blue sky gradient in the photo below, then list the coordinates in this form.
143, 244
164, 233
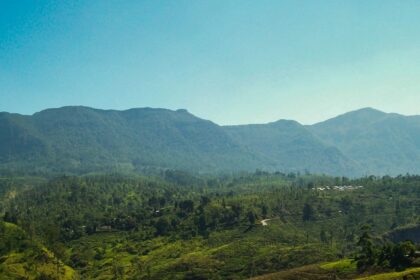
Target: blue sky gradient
233, 62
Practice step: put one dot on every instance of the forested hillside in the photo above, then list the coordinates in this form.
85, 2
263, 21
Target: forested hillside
287, 145
82, 140
179, 226
381, 143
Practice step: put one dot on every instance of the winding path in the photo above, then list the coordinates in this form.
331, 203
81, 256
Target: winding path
265, 221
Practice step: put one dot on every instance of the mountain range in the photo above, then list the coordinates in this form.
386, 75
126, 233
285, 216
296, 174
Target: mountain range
79, 140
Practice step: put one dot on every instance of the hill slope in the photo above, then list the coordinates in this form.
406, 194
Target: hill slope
289, 146
381, 143
23, 258
80, 139
83, 140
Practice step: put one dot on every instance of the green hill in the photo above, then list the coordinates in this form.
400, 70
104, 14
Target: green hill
289, 146
23, 258
82, 140
343, 269
381, 143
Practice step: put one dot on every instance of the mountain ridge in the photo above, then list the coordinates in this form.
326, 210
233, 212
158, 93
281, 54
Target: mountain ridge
384, 143
80, 139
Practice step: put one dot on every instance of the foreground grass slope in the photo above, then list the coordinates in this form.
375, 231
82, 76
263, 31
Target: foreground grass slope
231, 254
343, 269
23, 258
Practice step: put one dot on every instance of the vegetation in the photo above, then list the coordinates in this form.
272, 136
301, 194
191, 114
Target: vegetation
178, 226
82, 140
24, 258
397, 256
380, 143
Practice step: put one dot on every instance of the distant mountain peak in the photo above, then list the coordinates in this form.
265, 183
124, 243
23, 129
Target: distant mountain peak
284, 121
367, 111
362, 116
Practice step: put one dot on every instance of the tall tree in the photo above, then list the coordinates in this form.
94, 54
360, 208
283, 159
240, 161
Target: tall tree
366, 255
308, 212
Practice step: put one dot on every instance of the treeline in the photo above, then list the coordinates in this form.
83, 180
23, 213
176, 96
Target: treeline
388, 255
66, 208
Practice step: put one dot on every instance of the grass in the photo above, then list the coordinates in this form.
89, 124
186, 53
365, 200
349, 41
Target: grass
414, 272
343, 269
18, 266
238, 253
344, 266
309, 272
27, 259
340, 269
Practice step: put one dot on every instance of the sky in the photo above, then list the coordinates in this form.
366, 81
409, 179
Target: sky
233, 62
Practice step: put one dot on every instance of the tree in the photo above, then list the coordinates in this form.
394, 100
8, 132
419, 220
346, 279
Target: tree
202, 224
237, 209
308, 212
346, 204
162, 226
264, 211
385, 255
366, 256
205, 200
9, 217
251, 218
187, 205
59, 253
323, 236
403, 255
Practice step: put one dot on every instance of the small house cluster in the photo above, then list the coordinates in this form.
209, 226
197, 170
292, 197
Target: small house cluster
337, 188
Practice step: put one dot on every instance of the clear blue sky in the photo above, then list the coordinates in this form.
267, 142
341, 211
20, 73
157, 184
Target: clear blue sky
229, 61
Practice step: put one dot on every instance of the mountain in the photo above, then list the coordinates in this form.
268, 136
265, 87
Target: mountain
289, 146
382, 143
81, 140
